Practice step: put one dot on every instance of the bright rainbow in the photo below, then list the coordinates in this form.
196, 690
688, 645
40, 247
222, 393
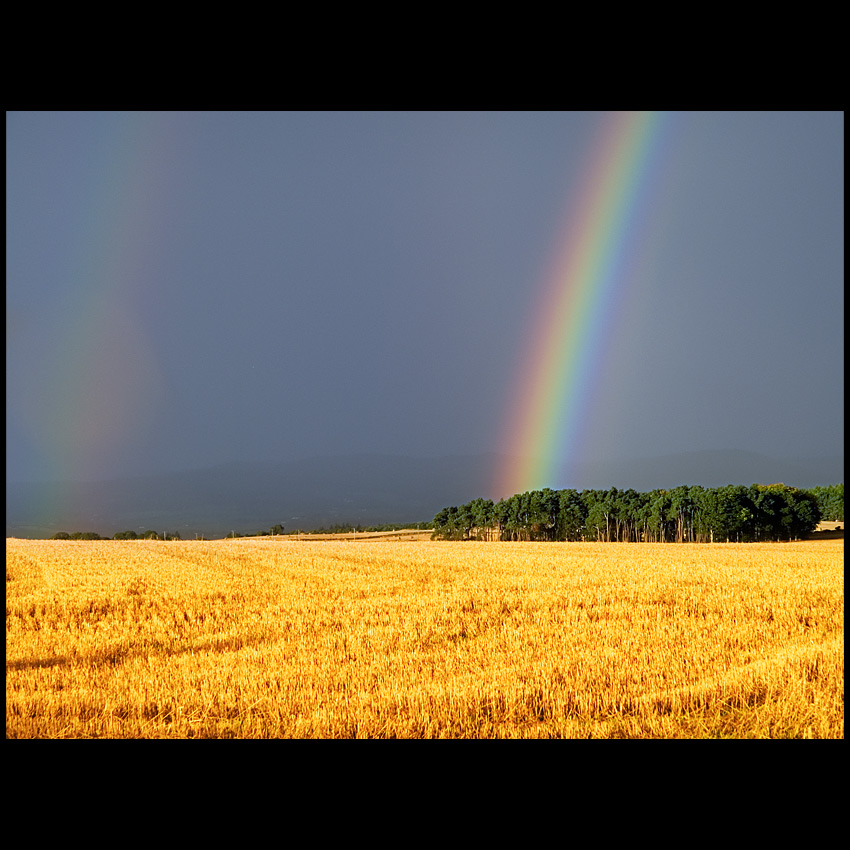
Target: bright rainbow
570, 331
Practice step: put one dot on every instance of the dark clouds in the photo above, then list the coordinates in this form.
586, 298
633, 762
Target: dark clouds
326, 283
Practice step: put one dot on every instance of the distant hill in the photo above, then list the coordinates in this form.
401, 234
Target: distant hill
358, 489
323, 491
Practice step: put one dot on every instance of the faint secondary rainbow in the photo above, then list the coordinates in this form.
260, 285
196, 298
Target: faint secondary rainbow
99, 383
565, 345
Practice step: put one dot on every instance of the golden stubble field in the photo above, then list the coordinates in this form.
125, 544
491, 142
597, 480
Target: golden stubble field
276, 638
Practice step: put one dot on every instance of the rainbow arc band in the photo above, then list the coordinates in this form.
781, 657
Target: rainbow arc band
568, 334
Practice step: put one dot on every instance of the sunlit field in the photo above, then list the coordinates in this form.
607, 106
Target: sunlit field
279, 638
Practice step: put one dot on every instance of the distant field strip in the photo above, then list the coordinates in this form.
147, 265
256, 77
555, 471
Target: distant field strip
282, 638
401, 534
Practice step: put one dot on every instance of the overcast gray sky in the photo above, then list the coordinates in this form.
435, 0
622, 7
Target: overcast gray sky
190, 288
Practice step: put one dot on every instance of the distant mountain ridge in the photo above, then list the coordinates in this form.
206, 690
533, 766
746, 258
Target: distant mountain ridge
358, 489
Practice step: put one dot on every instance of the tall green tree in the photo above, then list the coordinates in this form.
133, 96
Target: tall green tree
659, 523
830, 501
482, 515
571, 515
680, 512
543, 511
597, 516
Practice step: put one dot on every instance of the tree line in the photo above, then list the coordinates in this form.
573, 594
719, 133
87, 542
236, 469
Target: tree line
684, 514
119, 535
153, 535
275, 530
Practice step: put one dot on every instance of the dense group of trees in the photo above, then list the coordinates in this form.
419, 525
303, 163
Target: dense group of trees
683, 514
830, 501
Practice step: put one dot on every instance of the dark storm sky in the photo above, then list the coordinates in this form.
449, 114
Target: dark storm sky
186, 289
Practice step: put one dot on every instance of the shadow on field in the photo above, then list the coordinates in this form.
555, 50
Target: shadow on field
831, 534
118, 655
34, 663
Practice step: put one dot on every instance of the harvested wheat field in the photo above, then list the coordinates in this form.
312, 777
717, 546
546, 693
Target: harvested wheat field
277, 638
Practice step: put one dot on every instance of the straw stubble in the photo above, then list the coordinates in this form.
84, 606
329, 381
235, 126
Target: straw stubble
261, 638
